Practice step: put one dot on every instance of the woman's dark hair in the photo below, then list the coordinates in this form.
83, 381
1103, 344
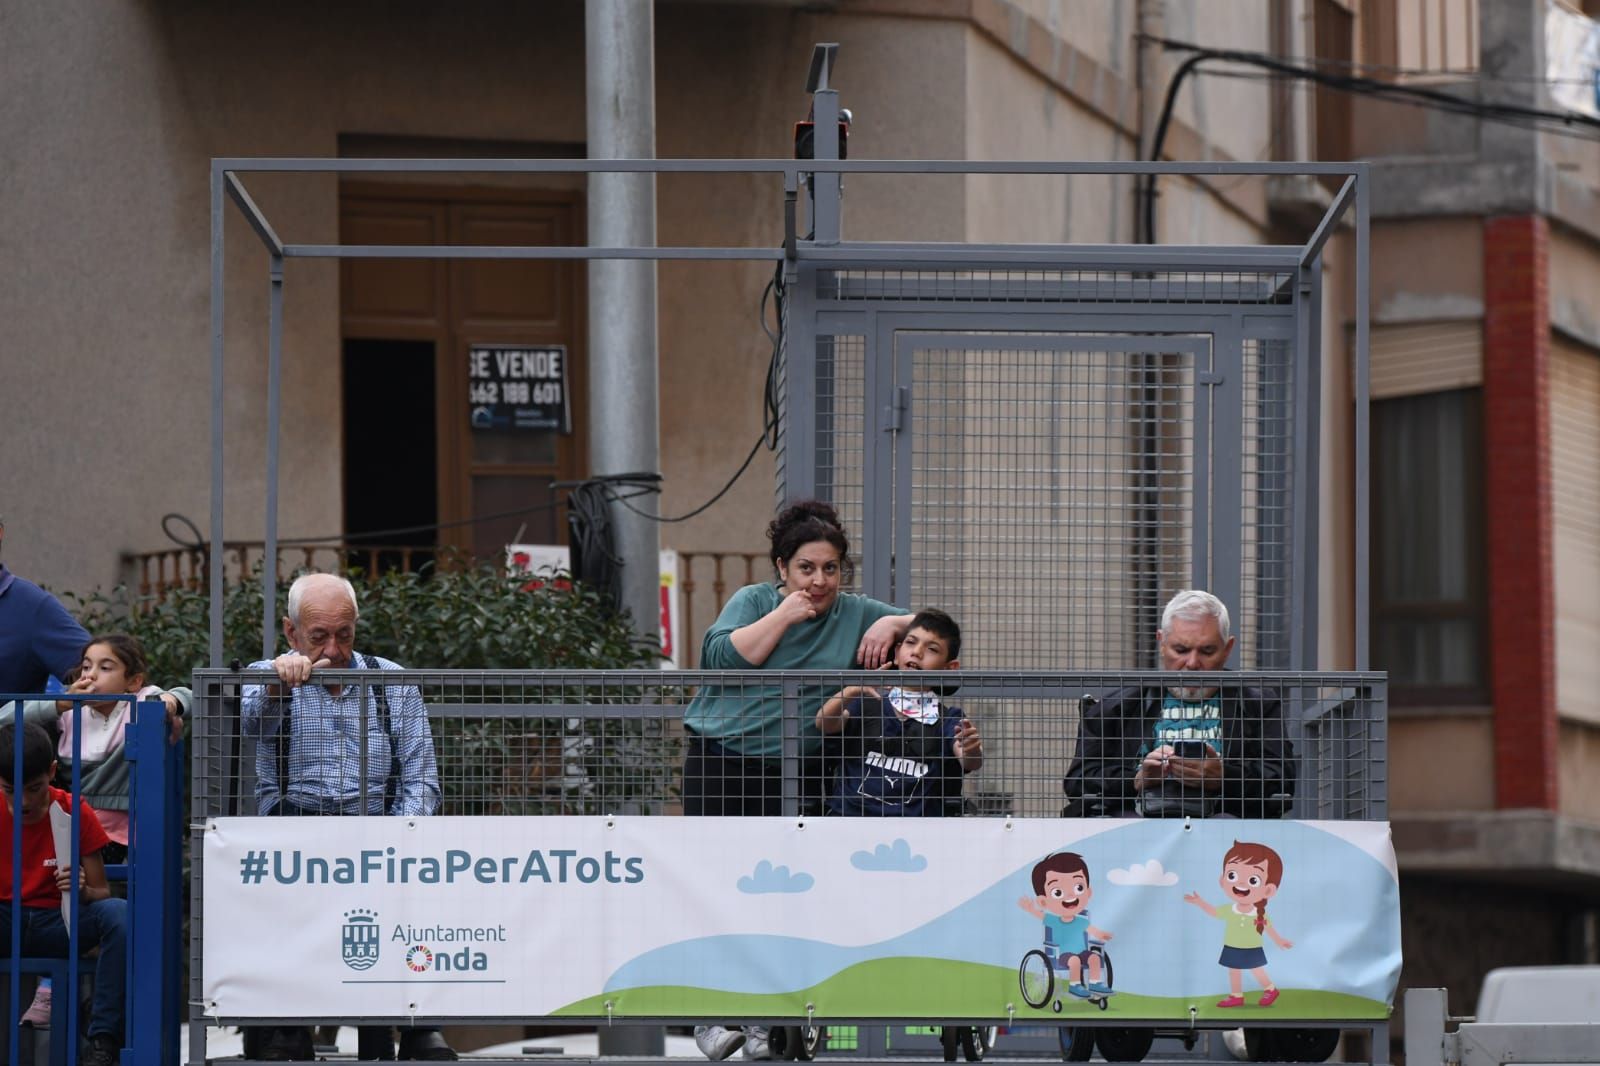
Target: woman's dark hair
127, 649
805, 522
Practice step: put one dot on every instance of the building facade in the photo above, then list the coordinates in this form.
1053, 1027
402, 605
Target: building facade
1485, 349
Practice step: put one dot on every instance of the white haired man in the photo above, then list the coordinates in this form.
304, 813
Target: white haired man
309, 760
1184, 750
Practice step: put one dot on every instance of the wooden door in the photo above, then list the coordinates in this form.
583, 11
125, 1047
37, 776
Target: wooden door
490, 485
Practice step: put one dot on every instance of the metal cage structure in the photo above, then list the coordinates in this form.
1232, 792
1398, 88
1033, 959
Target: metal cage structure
1109, 422
1046, 440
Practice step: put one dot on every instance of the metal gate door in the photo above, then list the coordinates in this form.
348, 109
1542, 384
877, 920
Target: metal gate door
1050, 460
1071, 470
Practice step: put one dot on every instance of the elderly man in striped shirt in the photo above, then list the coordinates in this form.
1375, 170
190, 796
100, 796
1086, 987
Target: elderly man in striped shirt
309, 759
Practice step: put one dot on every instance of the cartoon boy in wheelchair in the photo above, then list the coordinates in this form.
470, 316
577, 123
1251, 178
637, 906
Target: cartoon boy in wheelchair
1061, 894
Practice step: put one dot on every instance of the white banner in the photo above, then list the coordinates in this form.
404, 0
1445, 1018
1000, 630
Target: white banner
1572, 60
762, 917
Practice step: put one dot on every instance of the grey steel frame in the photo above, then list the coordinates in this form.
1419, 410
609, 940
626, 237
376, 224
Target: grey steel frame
1429, 1041
826, 250
807, 319
654, 695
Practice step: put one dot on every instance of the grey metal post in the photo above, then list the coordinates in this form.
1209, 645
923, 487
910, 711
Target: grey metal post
624, 435
624, 432
218, 276
1426, 1014
1363, 417
269, 551
799, 459
826, 209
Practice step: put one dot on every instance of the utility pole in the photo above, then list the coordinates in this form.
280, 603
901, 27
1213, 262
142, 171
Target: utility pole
624, 390
624, 428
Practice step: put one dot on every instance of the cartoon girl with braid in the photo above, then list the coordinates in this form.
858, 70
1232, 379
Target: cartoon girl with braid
1251, 874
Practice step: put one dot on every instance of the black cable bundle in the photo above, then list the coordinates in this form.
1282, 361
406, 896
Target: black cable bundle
590, 545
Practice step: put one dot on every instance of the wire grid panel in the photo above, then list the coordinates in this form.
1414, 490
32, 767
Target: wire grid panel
663, 743
841, 419
1266, 435
780, 395
1052, 491
1250, 288
552, 743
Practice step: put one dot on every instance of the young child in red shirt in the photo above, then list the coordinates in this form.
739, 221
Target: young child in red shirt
102, 918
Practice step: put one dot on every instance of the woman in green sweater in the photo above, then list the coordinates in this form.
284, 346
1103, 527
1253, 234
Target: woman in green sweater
801, 622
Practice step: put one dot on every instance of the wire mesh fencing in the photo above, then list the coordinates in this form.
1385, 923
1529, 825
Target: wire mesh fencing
985, 744
1114, 435
641, 752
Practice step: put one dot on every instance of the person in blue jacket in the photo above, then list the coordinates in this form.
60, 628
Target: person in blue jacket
38, 638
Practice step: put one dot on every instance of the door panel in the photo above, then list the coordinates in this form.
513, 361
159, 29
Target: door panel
456, 305
383, 291
1066, 469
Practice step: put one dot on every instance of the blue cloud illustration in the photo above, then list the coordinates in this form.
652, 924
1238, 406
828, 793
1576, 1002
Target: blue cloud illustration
770, 878
890, 858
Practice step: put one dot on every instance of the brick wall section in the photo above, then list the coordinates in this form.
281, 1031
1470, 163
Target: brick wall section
1516, 432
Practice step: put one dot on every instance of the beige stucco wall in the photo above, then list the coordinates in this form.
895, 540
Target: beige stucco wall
1578, 754
1013, 113
102, 289
1428, 269
160, 89
116, 113
1441, 763
1233, 114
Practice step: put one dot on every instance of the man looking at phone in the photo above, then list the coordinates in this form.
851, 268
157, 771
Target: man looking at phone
1183, 750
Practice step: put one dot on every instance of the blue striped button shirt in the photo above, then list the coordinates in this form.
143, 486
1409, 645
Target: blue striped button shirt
324, 757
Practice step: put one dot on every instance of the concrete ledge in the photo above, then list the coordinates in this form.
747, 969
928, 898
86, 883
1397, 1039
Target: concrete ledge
1517, 845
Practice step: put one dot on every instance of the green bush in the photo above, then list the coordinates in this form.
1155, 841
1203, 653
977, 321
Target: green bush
457, 618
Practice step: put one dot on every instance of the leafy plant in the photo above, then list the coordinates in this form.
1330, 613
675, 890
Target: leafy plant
460, 617
468, 617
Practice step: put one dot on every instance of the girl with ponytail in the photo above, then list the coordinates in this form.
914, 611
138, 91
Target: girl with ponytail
1251, 874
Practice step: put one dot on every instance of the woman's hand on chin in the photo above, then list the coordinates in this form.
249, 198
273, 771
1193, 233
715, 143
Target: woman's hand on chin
796, 607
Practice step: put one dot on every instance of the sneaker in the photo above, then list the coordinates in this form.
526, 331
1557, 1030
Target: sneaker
756, 1043
38, 1012
1269, 997
717, 1042
1081, 991
1098, 989
1231, 1001
103, 1050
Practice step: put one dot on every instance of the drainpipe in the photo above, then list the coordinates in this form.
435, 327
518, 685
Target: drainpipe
624, 433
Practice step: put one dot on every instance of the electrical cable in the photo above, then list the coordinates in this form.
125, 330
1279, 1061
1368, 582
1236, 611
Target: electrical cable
591, 553
769, 411
1383, 89
1513, 114
593, 526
